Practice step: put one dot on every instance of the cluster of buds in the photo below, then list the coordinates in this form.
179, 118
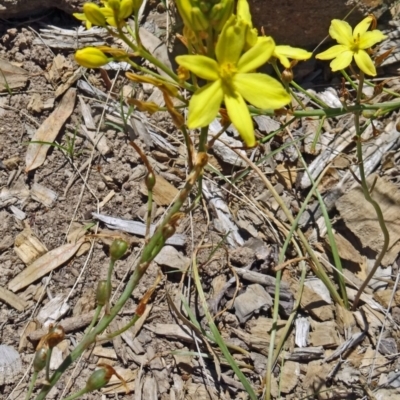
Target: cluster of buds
114, 12
200, 15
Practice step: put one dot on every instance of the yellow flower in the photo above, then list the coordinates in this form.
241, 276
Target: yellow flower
283, 53
91, 57
352, 44
233, 81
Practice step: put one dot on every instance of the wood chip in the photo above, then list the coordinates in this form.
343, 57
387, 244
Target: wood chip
172, 331
384, 297
290, 376
13, 300
43, 195
43, 265
104, 352
28, 247
48, 131
346, 249
325, 335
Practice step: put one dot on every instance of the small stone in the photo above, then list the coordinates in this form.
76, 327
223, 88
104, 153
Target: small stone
254, 299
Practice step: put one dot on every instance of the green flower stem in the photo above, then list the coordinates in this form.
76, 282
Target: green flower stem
332, 241
272, 360
369, 83
189, 146
148, 217
316, 265
123, 329
31, 385
95, 318
137, 36
48, 359
333, 112
203, 139
109, 286
348, 79
310, 95
77, 394
367, 196
140, 268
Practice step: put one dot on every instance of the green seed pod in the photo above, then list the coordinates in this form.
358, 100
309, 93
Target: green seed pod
39, 362
168, 231
150, 181
99, 378
102, 293
118, 249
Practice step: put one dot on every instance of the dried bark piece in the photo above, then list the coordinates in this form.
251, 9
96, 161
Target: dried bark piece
345, 248
13, 300
324, 335
313, 302
290, 376
48, 131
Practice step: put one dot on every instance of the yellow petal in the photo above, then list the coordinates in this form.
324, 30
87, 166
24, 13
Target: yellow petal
243, 12
204, 105
202, 66
364, 62
231, 41
257, 55
261, 90
342, 61
240, 117
332, 52
369, 39
294, 53
362, 27
341, 31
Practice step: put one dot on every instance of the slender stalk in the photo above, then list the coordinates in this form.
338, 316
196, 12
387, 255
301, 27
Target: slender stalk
77, 394
31, 385
125, 328
149, 211
48, 358
275, 314
368, 197
150, 251
95, 318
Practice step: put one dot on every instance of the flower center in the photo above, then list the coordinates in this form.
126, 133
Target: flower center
227, 71
356, 44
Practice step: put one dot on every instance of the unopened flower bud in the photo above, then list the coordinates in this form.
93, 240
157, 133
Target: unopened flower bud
39, 362
137, 4
199, 20
93, 14
102, 293
126, 9
287, 75
117, 249
114, 4
91, 57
